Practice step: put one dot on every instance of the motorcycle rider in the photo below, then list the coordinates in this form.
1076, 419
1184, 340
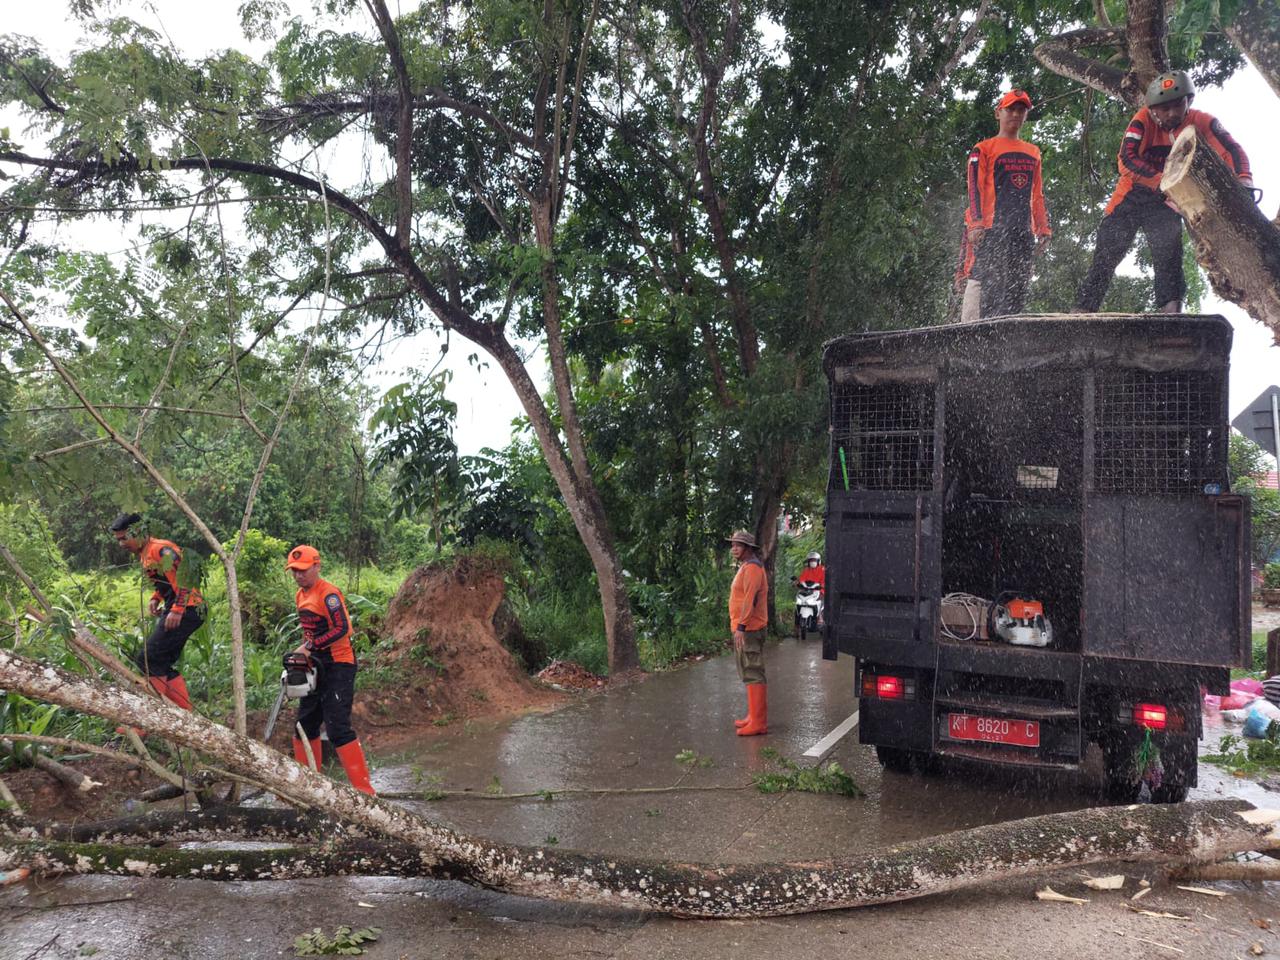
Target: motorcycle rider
814, 571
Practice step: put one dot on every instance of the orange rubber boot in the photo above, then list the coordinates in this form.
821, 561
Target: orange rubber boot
352, 757
177, 692
300, 754
757, 711
743, 722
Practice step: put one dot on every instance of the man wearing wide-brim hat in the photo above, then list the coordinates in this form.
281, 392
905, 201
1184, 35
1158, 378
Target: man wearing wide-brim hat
748, 619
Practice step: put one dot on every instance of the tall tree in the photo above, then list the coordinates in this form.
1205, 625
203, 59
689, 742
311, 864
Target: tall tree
460, 215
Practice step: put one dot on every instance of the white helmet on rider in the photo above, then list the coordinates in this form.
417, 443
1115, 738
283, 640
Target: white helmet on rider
814, 558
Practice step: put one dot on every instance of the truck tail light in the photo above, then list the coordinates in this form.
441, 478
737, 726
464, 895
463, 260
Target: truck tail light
1153, 716
888, 688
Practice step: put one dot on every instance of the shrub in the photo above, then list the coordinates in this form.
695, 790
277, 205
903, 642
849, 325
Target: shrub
1271, 576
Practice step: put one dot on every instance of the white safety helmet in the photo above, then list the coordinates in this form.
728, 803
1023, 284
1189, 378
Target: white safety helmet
814, 557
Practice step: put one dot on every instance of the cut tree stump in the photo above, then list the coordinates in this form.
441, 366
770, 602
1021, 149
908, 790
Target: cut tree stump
1235, 242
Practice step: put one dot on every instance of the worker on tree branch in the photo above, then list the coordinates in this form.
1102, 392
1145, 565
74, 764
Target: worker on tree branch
748, 618
1006, 219
326, 629
1137, 203
179, 610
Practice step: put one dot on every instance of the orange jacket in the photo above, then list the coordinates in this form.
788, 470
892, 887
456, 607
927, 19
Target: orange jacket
160, 561
1005, 187
749, 597
326, 627
1146, 145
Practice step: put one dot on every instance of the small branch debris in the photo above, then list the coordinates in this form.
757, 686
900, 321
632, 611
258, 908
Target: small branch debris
1053, 896
1204, 891
1113, 882
1155, 913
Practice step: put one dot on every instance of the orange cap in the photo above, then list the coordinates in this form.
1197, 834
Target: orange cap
302, 557
1012, 97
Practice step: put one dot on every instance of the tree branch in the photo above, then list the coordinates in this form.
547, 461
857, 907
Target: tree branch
404, 120
1061, 54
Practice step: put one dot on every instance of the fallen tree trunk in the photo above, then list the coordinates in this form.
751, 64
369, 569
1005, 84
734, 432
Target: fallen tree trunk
1152, 833
1238, 246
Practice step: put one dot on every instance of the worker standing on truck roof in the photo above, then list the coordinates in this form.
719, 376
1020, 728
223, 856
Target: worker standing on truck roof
1138, 204
1006, 219
178, 610
326, 627
748, 619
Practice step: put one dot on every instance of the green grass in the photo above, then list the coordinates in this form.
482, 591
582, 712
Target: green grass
1259, 667
1248, 757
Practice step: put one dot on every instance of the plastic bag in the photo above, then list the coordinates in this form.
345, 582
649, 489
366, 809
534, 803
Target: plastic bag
1261, 715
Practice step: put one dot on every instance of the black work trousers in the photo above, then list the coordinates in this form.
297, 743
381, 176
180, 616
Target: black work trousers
1140, 210
331, 702
1002, 264
159, 655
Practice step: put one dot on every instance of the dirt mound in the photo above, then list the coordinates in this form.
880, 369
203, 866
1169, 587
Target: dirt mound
573, 676
446, 661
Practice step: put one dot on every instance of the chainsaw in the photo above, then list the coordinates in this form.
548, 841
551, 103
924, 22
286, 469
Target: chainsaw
297, 680
1019, 621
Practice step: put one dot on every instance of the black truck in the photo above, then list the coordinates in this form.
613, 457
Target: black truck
1031, 541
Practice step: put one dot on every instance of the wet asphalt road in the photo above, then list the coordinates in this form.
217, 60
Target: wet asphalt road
630, 738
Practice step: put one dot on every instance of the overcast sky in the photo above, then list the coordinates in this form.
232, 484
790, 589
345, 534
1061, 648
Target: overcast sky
486, 403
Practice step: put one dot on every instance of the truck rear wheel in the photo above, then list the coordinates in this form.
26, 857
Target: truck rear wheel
1179, 761
1119, 781
897, 759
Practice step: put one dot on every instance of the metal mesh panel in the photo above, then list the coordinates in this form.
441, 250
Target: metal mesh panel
1158, 432
886, 435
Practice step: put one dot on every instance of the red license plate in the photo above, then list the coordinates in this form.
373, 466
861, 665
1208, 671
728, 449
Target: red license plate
1020, 733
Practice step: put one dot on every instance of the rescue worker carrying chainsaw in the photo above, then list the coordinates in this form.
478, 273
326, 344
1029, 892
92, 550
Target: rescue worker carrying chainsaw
748, 619
1137, 203
326, 628
1006, 221
179, 610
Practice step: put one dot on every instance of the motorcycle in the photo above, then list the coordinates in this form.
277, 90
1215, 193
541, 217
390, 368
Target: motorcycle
809, 595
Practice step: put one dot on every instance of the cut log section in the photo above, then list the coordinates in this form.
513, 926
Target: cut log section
1235, 242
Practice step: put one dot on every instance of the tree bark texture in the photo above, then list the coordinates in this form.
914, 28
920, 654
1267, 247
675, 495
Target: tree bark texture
1237, 244
1255, 30
1200, 832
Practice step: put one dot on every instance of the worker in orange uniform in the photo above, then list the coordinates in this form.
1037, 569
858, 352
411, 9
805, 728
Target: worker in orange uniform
748, 618
326, 628
1006, 218
179, 611
1138, 204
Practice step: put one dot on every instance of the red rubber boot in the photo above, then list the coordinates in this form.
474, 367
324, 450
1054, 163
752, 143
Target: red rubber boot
745, 720
177, 692
757, 711
352, 757
300, 754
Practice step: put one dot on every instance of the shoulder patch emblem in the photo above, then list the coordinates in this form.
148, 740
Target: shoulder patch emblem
332, 601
